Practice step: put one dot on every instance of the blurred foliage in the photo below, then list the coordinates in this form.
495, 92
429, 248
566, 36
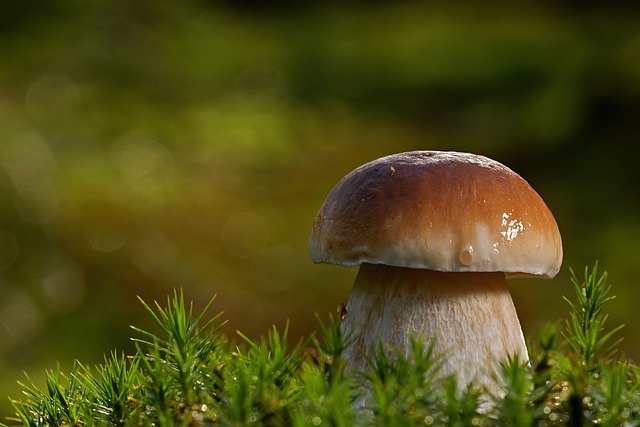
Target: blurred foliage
149, 145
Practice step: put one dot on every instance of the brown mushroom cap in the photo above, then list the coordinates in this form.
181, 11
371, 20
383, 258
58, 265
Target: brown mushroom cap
444, 211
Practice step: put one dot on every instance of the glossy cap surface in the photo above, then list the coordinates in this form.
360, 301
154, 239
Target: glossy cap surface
444, 211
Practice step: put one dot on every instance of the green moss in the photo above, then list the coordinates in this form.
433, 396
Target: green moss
190, 374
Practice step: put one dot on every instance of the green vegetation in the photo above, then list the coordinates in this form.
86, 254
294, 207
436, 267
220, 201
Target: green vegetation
153, 145
190, 374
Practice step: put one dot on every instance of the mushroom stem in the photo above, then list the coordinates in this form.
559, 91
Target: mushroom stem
470, 316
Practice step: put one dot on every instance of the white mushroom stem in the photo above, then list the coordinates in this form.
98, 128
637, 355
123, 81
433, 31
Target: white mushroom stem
470, 316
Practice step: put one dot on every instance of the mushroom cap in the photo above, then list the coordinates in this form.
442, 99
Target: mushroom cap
437, 210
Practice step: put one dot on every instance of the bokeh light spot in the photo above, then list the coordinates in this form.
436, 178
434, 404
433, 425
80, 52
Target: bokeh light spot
52, 99
106, 240
32, 168
145, 164
65, 287
20, 318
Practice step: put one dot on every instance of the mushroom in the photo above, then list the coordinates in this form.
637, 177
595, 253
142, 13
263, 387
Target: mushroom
436, 235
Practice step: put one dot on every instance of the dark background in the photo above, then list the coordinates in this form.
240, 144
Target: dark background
153, 145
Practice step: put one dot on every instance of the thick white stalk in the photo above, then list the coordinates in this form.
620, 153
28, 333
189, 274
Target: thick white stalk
470, 316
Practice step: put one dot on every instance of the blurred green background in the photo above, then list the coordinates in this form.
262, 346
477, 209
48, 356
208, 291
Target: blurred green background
152, 145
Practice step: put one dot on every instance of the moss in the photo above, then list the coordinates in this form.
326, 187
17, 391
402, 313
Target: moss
190, 374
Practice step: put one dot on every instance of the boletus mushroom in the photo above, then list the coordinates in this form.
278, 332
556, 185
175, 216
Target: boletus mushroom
436, 235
